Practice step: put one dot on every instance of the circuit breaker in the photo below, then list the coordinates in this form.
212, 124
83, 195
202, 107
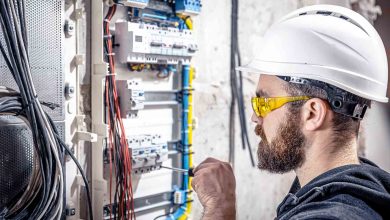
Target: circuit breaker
131, 96
148, 152
145, 43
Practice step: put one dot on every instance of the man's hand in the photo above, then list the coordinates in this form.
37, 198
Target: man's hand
215, 186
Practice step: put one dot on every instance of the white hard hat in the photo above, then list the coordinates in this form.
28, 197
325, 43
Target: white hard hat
328, 43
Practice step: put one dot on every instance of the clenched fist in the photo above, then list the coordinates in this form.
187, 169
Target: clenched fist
215, 186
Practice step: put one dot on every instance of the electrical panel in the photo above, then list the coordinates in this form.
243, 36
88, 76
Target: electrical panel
142, 107
130, 121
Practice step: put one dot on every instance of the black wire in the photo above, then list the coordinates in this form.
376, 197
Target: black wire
173, 211
16, 107
167, 214
237, 95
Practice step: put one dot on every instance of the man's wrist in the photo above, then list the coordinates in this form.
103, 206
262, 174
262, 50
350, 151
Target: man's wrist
227, 212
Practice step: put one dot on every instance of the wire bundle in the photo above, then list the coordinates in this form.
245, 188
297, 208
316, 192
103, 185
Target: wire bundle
236, 85
44, 196
118, 150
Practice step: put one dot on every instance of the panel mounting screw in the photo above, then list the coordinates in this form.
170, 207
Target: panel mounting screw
69, 28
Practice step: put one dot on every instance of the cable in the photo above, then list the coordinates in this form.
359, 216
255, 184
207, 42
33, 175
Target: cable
44, 195
164, 215
119, 155
85, 179
170, 214
237, 96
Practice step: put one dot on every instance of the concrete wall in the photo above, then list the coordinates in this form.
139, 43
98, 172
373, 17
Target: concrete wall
258, 193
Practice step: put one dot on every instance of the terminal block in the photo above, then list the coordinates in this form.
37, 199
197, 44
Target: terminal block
188, 7
131, 97
149, 43
148, 152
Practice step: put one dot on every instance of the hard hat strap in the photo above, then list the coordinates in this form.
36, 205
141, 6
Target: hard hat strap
341, 101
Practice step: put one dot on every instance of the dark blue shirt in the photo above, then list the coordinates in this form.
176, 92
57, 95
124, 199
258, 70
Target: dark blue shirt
350, 192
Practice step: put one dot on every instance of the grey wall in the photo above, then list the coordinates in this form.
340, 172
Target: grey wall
258, 193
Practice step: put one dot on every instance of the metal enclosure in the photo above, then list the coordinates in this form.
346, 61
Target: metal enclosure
58, 34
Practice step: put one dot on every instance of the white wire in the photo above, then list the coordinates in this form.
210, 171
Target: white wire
56, 194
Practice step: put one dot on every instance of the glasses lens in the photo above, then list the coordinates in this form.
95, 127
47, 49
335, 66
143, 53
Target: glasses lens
262, 106
255, 106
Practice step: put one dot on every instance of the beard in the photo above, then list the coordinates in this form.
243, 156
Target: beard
286, 151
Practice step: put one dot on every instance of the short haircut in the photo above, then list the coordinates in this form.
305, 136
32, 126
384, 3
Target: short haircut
345, 127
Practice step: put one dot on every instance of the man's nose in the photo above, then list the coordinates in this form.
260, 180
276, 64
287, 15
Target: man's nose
256, 119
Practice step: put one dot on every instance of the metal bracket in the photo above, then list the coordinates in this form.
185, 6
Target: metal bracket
81, 133
70, 211
147, 202
79, 59
78, 13
86, 136
79, 180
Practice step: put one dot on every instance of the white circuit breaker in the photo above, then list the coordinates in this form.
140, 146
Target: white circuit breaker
134, 3
148, 152
148, 43
131, 97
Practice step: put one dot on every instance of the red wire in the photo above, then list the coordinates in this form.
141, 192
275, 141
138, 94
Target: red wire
110, 143
126, 188
109, 149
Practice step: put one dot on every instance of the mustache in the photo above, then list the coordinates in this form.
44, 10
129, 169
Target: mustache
259, 131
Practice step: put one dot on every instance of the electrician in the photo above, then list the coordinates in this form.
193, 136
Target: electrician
320, 68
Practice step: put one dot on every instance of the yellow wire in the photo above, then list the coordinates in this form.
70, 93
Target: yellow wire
186, 214
187, 20
190, 113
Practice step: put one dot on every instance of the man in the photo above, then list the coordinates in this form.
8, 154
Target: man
320, 68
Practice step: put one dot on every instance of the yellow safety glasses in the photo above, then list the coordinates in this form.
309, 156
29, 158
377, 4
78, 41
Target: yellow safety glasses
262, 106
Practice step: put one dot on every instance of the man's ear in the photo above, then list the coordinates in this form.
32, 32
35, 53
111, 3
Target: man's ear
315, 113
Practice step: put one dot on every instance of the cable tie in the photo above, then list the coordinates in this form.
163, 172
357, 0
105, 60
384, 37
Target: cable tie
26, 106
185, 145
189, 153
111, 74
110, 54
107, 36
